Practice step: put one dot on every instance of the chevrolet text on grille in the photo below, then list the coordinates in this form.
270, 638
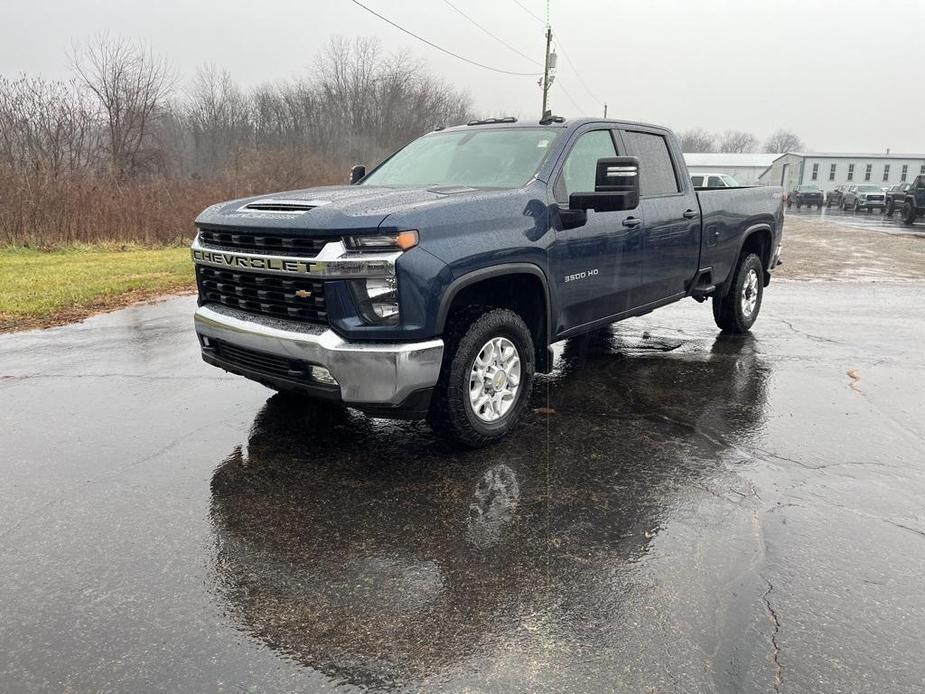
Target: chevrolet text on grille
333, 262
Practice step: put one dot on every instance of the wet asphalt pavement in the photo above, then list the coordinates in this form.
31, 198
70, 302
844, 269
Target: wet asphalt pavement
698, 513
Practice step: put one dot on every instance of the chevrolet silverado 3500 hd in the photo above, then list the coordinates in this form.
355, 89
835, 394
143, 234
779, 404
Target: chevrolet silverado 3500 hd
435, 284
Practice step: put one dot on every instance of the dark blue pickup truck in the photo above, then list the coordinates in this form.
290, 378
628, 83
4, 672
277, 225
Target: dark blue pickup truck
435, 284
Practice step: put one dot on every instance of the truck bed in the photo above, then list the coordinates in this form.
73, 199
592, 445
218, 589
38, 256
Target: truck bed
726, 213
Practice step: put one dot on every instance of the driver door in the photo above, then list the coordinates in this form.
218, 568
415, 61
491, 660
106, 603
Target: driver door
597, 267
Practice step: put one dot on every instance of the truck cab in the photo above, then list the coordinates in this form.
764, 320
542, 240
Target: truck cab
435, 284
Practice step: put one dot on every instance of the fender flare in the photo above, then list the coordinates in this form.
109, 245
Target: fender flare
750, 231
492, 271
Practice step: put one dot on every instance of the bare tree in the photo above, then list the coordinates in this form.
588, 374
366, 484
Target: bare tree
697, 140
737, 141
130, 85
781, 141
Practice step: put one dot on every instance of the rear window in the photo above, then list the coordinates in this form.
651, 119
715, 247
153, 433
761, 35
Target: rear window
656, 172
697, 180
808, 189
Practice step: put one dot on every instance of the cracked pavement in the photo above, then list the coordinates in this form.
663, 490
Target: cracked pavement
679, 512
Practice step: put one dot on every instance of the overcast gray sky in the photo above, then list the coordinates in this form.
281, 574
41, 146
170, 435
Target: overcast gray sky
845, 75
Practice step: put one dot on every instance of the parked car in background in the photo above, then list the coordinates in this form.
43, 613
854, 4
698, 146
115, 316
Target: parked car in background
865, 196
895, 196
714, 180
809, 195
835, 196
913, 205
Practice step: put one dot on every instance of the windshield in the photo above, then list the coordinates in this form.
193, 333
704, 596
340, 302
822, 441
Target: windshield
868, 189
495, 158
808, 189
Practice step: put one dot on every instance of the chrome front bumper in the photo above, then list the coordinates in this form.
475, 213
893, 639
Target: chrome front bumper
367, 373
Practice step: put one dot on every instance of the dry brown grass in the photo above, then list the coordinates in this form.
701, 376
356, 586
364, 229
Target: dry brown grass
43, 211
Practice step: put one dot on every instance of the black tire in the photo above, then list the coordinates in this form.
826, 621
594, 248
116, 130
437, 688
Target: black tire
728, 311
828, 204
889, 209
909, 213
789, 204
451, 412
844, 206
799, 205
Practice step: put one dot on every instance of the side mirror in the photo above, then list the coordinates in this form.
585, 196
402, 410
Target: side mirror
356, 173
616, 187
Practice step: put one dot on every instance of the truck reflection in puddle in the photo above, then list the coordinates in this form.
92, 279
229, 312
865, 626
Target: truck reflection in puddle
372, 552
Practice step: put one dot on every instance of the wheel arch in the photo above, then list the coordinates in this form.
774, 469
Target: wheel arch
516, 286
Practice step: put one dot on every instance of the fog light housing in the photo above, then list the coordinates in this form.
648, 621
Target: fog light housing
322, 375
377, 300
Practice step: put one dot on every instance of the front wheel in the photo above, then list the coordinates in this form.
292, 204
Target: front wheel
737, 311
486, 377
909, 213
889, 209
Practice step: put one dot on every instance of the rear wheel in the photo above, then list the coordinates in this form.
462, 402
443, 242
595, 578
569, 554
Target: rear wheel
486, 377
889, 209
909, 213
737, 311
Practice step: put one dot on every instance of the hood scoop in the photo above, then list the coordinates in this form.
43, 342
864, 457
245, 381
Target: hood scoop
275, 206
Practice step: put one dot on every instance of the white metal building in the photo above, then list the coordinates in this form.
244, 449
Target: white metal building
743, 167
827, 169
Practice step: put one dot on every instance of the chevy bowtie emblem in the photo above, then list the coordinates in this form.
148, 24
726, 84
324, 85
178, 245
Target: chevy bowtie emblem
302, 293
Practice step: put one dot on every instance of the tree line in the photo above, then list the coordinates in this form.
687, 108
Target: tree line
700, 140
123, 152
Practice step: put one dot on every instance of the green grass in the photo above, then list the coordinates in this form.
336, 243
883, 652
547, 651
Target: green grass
45, 287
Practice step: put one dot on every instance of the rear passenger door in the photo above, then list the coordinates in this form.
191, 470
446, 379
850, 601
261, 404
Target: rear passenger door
669, 206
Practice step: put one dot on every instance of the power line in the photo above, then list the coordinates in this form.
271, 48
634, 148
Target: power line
570, 98
529, 12
577, 73
440, 48
494, 36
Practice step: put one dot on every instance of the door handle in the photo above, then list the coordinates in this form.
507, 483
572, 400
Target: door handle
689, 214
632, 222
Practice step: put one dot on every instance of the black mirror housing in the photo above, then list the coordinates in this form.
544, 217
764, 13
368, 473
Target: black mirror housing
356, 173
616, 187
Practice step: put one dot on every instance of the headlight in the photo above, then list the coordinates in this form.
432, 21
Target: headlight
377, 300
394, 241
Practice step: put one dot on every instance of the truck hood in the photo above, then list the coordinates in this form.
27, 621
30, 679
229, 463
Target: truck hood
333, 209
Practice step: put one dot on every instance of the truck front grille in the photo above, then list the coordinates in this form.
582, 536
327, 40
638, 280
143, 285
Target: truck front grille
263, 293
270, 244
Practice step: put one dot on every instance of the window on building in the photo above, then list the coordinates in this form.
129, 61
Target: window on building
886, 172
904, 173
850, 172
815, 171
832, 172
868, 171
922, 170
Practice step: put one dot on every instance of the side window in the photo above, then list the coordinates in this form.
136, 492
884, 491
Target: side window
656, 172
697, 181
713, 182
581, 164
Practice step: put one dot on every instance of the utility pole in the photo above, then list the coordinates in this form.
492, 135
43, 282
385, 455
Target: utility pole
546, 83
